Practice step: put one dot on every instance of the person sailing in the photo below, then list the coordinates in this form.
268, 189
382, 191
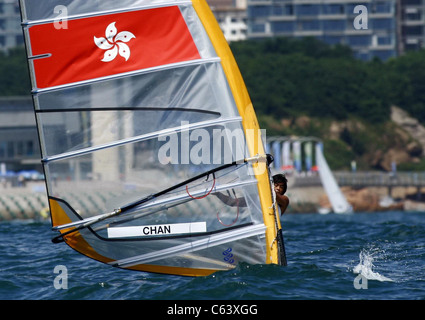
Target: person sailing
280, 186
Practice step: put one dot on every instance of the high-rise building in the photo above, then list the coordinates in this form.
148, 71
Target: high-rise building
231, 16
10, 27
412, 24
369, 27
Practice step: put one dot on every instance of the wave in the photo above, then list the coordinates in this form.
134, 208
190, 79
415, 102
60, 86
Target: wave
366, 267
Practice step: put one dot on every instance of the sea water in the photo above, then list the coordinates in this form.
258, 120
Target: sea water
357, 256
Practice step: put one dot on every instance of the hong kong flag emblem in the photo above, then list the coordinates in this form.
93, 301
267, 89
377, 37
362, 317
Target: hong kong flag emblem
114, 43
101, 46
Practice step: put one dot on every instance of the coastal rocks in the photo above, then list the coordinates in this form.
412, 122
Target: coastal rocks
365, 200
410, 205
411, 126
398, 141
383, 160
407, 142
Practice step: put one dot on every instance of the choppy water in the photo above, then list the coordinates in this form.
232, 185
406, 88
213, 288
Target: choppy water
357, 256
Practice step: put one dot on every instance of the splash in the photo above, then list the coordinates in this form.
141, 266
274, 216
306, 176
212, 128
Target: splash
365, 267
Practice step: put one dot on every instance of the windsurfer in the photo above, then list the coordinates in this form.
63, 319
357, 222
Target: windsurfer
280, 186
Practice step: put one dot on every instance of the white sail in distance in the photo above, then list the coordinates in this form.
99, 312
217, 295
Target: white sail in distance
337, 199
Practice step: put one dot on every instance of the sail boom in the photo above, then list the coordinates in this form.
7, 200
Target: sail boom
126, 74
169, 200
212, 241
195, 193
139, 138
28, 23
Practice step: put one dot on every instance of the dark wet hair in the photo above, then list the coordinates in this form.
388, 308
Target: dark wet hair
280, 178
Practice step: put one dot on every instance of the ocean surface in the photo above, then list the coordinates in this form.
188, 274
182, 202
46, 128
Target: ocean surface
366, 256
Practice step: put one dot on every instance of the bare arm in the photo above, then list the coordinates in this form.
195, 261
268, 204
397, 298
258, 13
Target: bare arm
282, 201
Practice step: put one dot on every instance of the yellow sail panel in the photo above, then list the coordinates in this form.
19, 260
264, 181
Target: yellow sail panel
74, 240
249, 121
188, 272
58, 215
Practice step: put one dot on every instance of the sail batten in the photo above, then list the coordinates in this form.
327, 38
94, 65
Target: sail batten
215, 113
152, 152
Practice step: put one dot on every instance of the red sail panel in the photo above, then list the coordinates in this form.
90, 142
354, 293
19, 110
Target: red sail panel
100, 46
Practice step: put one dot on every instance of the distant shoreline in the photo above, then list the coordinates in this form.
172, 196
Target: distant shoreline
30, 201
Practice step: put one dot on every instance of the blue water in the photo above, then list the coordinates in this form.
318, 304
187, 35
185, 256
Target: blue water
357, 256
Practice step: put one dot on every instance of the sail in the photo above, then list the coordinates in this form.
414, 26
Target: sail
150, 145
336, 197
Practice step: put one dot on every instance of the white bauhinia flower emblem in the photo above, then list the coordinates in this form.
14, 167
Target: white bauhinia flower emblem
114, 43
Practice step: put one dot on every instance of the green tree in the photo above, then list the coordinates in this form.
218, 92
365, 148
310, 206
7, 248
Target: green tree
408, 83
289, 77
14, 77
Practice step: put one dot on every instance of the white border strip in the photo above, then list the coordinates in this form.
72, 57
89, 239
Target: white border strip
157, 230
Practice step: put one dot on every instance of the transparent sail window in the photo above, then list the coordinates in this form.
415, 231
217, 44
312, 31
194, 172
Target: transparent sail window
101, 113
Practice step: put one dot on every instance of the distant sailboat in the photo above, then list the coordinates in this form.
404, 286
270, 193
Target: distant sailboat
338, 201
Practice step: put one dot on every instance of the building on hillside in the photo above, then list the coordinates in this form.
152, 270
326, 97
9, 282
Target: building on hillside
10, 25
332, 21
411, 26
394, 26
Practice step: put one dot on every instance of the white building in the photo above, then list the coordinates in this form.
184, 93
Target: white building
231, 16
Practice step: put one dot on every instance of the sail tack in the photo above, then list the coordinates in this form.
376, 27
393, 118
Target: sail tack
142, 113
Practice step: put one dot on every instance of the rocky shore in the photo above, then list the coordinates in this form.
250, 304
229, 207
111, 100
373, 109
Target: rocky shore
370, 199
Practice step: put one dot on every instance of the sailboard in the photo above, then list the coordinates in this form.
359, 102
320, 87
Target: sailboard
337, 199
144, 119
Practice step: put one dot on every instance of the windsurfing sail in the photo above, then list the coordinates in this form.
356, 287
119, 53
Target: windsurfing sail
337, 199
151, 149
